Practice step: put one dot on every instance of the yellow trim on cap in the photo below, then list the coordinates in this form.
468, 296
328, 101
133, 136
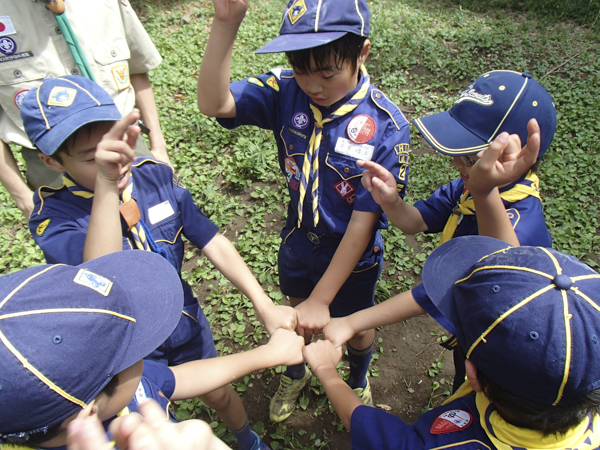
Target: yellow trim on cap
318, 14
15, 290
509, 110
84, 90
68, 310
423, 129
521, 269
37, 97
586, 298
567, 318
362, 28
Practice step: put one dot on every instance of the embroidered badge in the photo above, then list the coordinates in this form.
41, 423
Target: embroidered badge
177, 181
402, 152
292, 173
19, 96
272, 81
7, 45
451, 421
471, 95
61, 96
20, 55
358, 151
297, 133
297, 10
300, 120
361, 129
6, 26
93, 281
41, 228
120, 73
255, 81
346, 190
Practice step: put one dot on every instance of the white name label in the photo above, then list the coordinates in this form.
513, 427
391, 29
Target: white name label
359, 151
160, 212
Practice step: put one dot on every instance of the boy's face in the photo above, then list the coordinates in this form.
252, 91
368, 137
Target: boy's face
463, 167
78, 161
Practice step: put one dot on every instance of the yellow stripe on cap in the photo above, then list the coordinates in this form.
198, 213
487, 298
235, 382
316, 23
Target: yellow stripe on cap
68, 310
84, 90
15, 290
362, 20
519, 269
509, 110
439, 146
567, 318
37, 97
318, 14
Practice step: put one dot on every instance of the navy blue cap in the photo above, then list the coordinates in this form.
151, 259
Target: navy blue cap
527, 317
498, 101
65, 331
60, 106
312, 23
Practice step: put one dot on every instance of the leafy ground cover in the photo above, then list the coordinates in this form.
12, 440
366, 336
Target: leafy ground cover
424, 53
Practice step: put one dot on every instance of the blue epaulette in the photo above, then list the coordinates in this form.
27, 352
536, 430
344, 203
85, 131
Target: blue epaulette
385, 104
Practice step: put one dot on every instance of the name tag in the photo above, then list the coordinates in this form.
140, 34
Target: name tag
359, 151
160, 212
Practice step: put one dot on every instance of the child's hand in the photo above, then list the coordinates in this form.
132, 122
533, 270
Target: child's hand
338, 331
313, 316
278, 316
504, 161
117, 148
322, 355
230, 11
380, 183
286, 347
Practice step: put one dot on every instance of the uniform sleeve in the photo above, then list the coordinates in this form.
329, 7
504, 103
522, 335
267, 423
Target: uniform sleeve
527, 218
372, 428
161, 375
143, 54
436, 210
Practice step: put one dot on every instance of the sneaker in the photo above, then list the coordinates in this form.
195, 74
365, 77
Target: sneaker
284, 401
365, 394
259, 444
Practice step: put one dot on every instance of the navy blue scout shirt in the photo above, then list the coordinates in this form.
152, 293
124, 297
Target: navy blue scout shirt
275, 101
60, 219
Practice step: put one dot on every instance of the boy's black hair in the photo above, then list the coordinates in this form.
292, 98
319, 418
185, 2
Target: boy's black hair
38, 439
345, 49
547, 419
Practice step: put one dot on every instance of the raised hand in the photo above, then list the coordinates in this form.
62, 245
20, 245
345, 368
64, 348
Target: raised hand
380, 183
230, 11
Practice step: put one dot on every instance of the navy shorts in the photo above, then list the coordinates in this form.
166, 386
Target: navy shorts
191, 340
302, 264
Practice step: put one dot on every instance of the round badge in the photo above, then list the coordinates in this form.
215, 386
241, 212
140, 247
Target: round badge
7, 45
361, 129
19, 96
300, 120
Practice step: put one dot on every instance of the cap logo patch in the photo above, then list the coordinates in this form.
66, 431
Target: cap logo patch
19, 96
346, 190
7, 45
451, 421
121, 75
361, 129
93, 281
61, 96
292, 173
41, 228
297, 10
473, 96
272, 81
300, 120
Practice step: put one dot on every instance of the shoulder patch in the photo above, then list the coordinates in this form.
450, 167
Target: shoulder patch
41, 228
255, 81
177, 181
388, 106
451, 421
272, 81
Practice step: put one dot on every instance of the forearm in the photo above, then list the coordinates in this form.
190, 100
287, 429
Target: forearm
492, 219
104, 234
341, 396
145, 102
13, 181
405, 217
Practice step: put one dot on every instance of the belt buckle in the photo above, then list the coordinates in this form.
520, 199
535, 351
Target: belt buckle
312, 237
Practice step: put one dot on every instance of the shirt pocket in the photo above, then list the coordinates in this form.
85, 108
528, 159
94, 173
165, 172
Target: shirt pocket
167, 230
296, 142
111, 60
340, 179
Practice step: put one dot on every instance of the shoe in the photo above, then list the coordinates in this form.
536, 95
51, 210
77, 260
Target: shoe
259, 444
365, 394
284, 401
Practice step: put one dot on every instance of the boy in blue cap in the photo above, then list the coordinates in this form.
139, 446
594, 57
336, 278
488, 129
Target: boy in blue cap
109, 203
527, 321
325, 115
73, 339
498, 197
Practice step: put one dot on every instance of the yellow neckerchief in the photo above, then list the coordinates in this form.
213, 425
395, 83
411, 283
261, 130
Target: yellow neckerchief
75, 189
311, 158
528, 186
505, 436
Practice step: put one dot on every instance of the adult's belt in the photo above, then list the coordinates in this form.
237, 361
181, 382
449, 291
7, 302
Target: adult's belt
319, 239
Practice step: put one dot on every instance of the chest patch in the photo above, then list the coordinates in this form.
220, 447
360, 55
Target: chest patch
8, 46
300, 120
160, 212
6, 26
292, 173
346, 190
19, 96
120, 73
361, 129
451, 421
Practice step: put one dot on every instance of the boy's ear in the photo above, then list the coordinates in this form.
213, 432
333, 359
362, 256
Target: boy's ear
51, 163
472, 375
365, 52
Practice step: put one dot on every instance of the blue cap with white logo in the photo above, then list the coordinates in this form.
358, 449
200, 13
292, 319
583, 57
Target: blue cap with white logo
498, 101
60, 106
312, 23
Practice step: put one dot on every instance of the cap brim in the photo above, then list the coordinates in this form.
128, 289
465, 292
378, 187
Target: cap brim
50, 141
448, 136
155, 288
450, 262
300, 41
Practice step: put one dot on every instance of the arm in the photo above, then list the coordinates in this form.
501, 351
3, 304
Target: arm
323, 358
501, 163
144, 99
214, 97
284, 348
381, 184
313, 313
228, 261
13, 182
112, 154
396, 309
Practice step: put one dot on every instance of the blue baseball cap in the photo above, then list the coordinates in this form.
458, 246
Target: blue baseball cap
54, 110
65, 331
498, 101
312, 23
527, 317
